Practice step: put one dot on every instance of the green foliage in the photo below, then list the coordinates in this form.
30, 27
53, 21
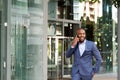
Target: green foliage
93, 1
81, 0
116, 3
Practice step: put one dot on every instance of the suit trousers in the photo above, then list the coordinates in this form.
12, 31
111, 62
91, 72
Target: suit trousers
77, 76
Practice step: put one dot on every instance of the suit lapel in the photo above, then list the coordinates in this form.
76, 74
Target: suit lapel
85, 48
78, 51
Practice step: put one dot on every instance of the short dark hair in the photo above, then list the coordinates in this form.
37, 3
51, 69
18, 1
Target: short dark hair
81, 29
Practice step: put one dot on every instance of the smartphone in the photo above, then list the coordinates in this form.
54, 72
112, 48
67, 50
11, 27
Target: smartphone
77, 36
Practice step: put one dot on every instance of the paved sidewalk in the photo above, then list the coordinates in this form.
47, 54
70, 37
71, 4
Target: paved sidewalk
105, 76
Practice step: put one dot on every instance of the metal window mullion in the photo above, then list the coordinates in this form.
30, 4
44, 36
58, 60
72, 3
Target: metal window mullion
8, 57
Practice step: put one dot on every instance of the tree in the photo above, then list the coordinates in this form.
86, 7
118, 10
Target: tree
116, 3
93, 1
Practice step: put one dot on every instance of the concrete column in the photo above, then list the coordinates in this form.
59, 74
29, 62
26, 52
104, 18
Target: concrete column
8, 60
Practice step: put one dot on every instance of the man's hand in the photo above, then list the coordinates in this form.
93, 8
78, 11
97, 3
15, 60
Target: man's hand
93, 74
74, 43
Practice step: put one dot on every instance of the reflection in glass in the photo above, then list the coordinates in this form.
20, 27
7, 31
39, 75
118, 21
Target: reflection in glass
27, 40
61, 9
58, 65
59, 40
55, 28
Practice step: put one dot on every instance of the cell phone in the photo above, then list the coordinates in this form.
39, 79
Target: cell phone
77, 36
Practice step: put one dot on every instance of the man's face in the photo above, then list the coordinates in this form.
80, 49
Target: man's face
81, 35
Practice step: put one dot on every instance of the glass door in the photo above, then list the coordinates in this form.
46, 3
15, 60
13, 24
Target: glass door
60, 36
55, 47
67, 65
58, 65
3, 39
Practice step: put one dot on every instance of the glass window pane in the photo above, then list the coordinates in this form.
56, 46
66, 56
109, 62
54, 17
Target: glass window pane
27, 40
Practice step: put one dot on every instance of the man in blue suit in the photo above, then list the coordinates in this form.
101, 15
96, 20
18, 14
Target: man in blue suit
84, 51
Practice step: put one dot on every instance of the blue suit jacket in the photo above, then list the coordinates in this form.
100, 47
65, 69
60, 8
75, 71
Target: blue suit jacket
83, 64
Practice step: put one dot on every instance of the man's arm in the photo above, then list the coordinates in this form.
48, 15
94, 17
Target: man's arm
98, 58
71, 50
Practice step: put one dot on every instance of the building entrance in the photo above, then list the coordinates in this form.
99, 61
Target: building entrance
60, 36
58, 65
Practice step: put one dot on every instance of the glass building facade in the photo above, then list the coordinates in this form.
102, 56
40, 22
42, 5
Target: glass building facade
35, 34
23, 33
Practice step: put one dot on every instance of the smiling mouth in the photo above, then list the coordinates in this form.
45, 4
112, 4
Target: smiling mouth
81, 38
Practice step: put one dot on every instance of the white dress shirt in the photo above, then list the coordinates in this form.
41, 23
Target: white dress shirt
82, 47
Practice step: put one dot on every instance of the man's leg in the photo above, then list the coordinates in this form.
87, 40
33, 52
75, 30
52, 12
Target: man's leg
76, 77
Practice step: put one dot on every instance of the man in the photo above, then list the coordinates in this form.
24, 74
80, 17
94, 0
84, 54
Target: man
83, 51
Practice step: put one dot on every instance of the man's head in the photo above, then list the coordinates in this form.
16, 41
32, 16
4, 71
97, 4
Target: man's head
81, 34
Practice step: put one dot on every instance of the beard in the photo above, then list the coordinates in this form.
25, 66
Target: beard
81, 40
